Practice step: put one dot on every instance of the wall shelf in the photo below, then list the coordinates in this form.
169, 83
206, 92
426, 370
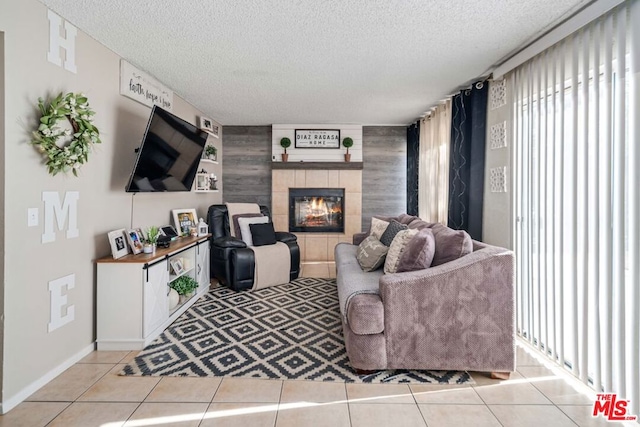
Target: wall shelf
213, 162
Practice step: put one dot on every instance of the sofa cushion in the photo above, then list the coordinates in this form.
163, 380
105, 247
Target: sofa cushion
391, 231
450, 244
350, 278
245, 231
406, 219
263, 234
396, 249
371, 254
418, 254
378, 226
236, 227
420, 224
366, 314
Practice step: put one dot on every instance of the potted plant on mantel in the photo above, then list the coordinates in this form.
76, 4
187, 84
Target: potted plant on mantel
285, 143
185, 286
151, 241
347, 143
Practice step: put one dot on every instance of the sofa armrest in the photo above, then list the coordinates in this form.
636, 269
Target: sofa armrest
284, 237
359, 237
229, 242
458, 315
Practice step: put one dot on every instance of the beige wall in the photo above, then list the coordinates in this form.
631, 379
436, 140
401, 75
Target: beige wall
2, 222
31, 353
497, 222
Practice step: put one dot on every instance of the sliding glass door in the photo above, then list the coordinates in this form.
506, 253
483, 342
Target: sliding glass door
576, 185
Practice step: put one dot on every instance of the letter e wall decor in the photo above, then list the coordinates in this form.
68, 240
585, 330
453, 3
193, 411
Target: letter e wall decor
59, 300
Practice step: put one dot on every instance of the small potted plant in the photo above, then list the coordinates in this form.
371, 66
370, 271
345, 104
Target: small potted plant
185, 286
151, 241
347, 143
211, 152
285, 143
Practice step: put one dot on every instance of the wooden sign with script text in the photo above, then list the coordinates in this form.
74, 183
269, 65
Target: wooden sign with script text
141, 87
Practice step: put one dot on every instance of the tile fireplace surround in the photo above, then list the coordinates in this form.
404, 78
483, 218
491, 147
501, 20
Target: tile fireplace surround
317, 247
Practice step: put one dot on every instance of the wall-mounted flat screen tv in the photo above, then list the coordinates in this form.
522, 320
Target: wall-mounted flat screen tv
169, 155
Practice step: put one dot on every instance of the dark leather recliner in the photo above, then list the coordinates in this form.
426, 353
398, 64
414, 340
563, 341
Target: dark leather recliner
232, 262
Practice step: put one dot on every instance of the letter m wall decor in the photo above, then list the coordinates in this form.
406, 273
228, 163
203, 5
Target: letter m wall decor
65, 212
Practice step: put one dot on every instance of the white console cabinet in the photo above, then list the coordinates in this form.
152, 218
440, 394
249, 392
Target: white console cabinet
133, 293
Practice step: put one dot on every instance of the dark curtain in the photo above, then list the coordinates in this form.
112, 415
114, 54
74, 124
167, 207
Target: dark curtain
413, 157
466, 173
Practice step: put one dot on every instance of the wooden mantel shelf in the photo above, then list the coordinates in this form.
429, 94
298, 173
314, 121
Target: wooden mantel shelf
317, 165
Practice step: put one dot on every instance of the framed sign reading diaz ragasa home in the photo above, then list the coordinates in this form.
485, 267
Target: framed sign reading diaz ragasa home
317, 138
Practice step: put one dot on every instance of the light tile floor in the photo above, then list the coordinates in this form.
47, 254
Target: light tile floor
90, 393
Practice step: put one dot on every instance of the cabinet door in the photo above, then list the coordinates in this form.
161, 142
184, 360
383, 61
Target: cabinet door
202, 266
156, 300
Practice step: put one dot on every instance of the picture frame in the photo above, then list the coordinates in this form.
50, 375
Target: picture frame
135, 240
202, 182
207, 125
317, 138
183, 220
177, 266
142, 235
168, 231
118, 243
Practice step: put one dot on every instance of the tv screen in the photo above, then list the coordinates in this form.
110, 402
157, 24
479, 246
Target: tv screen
169, 155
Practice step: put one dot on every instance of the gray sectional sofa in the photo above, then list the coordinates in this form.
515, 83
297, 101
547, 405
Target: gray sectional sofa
458, 315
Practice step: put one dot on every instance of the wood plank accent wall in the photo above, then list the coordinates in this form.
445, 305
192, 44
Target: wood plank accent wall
384, 177
246, 165
246, 171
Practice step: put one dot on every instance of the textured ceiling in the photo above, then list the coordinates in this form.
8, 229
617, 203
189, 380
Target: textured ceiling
252, 62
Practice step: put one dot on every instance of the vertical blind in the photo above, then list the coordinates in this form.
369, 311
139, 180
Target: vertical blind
576, 119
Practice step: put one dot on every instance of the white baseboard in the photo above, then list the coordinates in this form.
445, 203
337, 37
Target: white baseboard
15, 400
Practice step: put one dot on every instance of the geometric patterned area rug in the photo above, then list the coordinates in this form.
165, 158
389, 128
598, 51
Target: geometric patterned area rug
290, 331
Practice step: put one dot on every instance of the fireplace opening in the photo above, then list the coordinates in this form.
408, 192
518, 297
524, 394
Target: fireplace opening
316, 210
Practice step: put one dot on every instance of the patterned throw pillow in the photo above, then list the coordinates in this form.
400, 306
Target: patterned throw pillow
378, 227
371, 254
398, 246
391, 231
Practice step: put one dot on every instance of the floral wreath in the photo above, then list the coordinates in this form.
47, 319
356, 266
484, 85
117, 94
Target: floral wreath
73, 107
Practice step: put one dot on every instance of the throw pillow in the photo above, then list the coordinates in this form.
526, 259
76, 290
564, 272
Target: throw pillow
236, 227
450, 244
263, 234
418, 254
378, 226
391, 231
371, 254
245, 231
398, 246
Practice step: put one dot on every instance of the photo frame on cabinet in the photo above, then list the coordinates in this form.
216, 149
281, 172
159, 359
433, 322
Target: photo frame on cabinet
183, 220
176, 266
135, 239
118, 243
